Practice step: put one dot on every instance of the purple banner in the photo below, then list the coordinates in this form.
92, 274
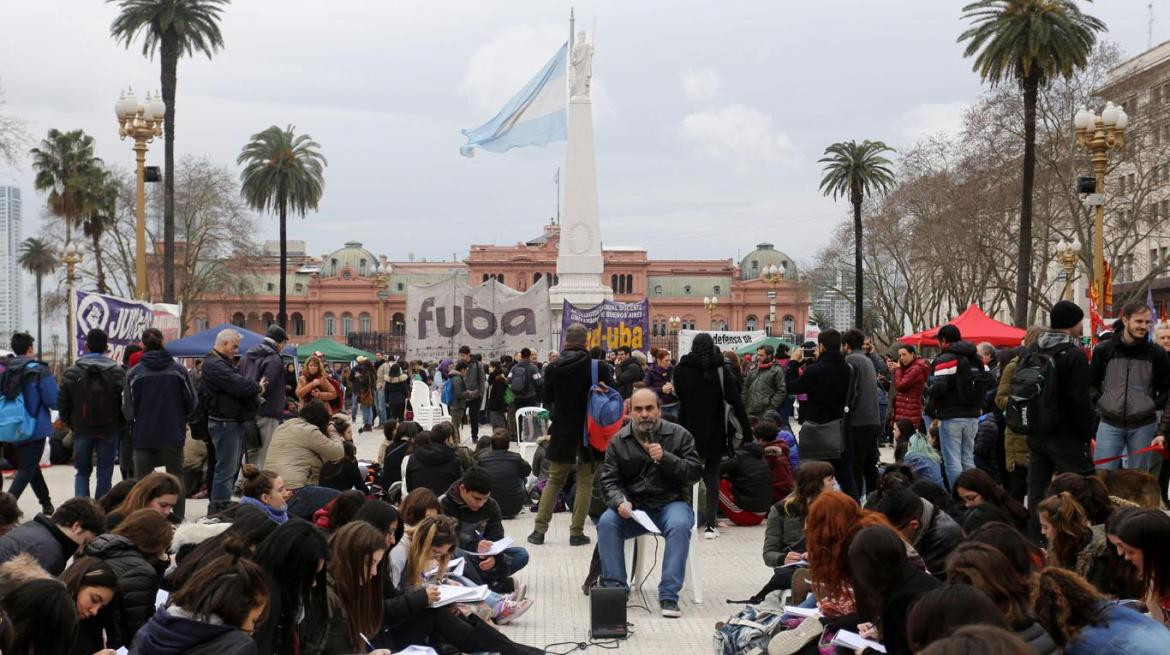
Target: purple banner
123, 320
611, 324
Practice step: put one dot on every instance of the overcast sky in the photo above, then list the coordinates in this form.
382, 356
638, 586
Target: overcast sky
709, 117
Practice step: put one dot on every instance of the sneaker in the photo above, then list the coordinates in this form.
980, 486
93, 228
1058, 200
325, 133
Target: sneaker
512, 610
670, 609
520, 591
536, 538
711, 533
788, 642
579, 539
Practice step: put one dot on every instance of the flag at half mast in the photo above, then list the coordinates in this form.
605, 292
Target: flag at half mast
533, 117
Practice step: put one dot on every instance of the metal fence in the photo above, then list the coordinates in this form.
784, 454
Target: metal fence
384, 342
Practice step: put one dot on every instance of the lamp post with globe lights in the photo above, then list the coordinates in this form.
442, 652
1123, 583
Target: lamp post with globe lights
1069, 252
711, 304
141, 121
71, 256
771, 275
1098, 134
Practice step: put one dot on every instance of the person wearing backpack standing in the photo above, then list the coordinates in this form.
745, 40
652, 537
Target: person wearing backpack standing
158, 396
31, 381
1130, 376
959, 382
90, 404
1061, 445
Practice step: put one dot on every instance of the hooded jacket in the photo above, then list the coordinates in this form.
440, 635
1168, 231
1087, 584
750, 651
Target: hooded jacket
508, 472
19, 570
750, 477
396, 389
158, 398
42, 539
764, 388
298, 451
909, 386
70, 398
566, 390
434, 466
628, 473
230, 397
262, 361
702, 404
954, 390
174, 631
40, 393
138, 581
1129, 380
474, 525
1073, 379
627, 374
938, 535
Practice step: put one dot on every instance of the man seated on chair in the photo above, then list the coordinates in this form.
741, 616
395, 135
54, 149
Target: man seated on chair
650, 465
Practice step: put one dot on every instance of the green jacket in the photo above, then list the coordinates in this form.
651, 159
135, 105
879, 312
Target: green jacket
764, 389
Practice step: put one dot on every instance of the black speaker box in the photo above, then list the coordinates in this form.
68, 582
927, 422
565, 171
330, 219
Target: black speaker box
607, 613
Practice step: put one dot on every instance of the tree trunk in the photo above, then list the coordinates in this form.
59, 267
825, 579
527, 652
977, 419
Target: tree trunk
40, 343
282, 310
170, 65
96, 235
857, 276
1024, 271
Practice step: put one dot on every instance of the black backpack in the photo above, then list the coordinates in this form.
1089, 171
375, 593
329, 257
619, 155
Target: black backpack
1033, 405
522, 383
99, 403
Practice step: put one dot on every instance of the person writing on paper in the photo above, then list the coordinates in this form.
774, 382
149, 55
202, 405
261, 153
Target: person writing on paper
649, 466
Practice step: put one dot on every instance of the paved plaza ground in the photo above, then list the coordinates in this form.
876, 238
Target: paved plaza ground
730, 567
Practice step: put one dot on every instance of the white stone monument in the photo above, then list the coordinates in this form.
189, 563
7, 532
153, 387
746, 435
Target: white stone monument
579, 261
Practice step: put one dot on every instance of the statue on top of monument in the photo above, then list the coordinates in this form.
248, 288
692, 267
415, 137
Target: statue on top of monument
581, 59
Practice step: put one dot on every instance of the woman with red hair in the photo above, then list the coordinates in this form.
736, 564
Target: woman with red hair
833, 520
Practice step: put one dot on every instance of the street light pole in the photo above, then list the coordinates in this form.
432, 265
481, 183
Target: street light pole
71, 255
711, 304
772, 275
1069, 252
1098, 134
141, 122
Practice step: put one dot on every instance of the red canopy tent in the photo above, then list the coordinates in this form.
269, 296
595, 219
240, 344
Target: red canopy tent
976, 327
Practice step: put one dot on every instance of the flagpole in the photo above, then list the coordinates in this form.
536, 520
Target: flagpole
558, 181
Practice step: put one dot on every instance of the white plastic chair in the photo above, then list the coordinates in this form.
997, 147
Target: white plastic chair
425, 411
638, 548
405, 490
525, 442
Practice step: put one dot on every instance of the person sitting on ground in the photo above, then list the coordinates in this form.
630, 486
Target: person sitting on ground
932, 532
979, 640
93, 585
886, 584
10, 513
746, 483
974, 487
433, 463
134, 550
982, 566
445, 432
649, 466
834, 519
265, 491
779, 462
941, 612
469, 502
53, 540
344, 474
784, 541
1142, 537
294, 559
483, 445
339, 511
38, 617
299, 449
157, 491
1024, 555
398, 445
508, 472
1072, 543
356, 584
1083, 622
1089, 491
784, 434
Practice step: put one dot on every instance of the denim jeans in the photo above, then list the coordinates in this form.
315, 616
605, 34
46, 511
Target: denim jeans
380, 404
228, 439
518, 558
266, 425
308, 499
28, 471
367, 415
674, 520
956, 438
1113, 441
106, 446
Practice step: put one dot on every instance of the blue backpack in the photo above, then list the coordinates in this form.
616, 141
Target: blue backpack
16, 422
448, 394
604, 414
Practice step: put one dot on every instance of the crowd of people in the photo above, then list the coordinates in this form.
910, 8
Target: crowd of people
996, 528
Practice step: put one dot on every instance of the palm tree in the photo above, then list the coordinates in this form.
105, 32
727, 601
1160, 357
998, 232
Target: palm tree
37, 257
855, 170
1030, 42
103, 189
65, 167
174, 28
282, 171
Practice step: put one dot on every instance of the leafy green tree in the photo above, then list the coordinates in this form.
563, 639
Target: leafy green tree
66, 168
855, 170
104, 190
282, 171
1029, 42
37, 257
173, 28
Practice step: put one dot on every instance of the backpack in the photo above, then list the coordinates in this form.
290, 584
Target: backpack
99, 401
604, 413
1033, 405
17, 423
748, 632
735, 431
448, 394
520, 382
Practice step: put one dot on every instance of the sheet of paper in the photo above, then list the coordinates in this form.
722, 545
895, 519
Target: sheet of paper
497, 547
643, 520
800, 564
454, 567
451, 594
122, 651
416, 650
855, 641
160, 599
802, 611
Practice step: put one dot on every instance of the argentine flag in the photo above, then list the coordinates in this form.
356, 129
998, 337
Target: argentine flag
533, 117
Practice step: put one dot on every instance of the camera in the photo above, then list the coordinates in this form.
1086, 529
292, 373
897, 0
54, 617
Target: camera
809, 349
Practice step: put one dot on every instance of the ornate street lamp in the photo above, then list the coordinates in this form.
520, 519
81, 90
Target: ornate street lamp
771, 275
141, 121
71, 256
1098, 134
711, 304
1068, 252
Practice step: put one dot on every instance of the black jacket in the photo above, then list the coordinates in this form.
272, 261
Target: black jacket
937, 537
953, 390
1073, 378
434, 466
42, 539
474, 525
138, 581
751, 478
912, 584
628, 473
229, 395
701, 404
826, 383
392, 463
497, 394
508, 472
168, 634
566, 390
262, 361
627, 374
70, 400
158, 397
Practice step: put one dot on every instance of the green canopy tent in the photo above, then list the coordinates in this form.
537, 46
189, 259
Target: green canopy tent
775, 342
333, 351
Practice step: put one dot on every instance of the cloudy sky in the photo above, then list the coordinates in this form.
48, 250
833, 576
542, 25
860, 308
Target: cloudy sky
709, 117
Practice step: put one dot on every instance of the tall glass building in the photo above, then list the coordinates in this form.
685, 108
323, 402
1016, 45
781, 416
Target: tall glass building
10, 296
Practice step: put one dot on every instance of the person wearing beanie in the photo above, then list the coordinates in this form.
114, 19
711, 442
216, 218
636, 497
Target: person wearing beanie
1066, 449
262, 362
954, 396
